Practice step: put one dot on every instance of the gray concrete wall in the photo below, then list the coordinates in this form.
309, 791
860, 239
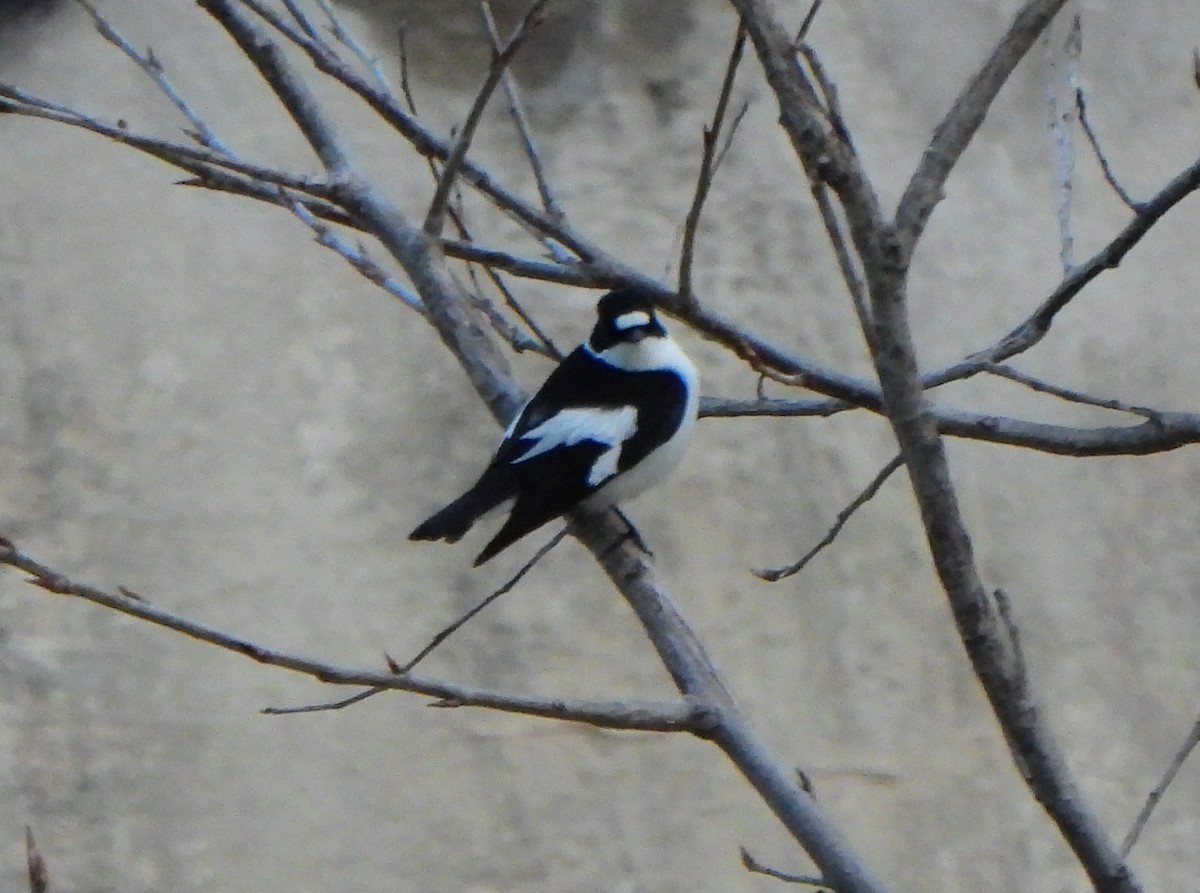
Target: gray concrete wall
198, 403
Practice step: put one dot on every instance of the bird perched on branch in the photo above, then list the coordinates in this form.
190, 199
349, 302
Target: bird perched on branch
610, 421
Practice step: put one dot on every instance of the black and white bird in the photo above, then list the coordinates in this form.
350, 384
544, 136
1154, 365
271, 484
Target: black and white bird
609, 422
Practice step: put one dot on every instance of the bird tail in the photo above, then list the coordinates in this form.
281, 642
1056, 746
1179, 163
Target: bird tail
456, 519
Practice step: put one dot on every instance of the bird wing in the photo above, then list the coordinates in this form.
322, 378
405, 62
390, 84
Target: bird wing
587, 405
589, 422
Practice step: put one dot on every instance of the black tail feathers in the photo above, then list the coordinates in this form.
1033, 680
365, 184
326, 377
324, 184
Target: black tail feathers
456, 519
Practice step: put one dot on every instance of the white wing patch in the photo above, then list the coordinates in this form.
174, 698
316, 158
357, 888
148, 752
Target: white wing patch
571, 426
631, 320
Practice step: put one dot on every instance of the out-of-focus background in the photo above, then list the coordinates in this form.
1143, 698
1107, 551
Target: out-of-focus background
200, 404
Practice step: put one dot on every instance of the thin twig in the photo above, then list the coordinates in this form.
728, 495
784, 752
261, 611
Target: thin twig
806, 25
300, 104
710, 135
1062, 131
405, 84
302, 19
1073, 396
150, 64
1035, 327
348, 40
1105, 167
730, 133
341, 704
754, 866
1153, 798
464, 248
516, 110
829, 92
356, 257
35, 863
583, 275
829, 217
516, 339
776, 574
680, 715
435, 217
220, 180
465, 618
950, 138
190, 158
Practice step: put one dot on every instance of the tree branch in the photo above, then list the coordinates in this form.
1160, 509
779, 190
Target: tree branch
884, 253
675, 642
435, 217
959, 126
774, 575
1153, 798
149, 63
517, 111
1037, 325
704, 179
685, 715
299, 102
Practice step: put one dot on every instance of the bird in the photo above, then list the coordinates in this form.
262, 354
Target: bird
610, 421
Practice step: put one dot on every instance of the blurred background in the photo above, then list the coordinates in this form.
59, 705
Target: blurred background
199, 403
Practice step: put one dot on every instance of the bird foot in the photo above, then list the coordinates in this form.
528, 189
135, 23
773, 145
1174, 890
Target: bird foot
630, 535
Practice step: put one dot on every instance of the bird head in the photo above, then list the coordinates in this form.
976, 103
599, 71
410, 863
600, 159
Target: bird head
626, 316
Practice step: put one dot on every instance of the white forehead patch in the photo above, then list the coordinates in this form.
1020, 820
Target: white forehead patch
631, 320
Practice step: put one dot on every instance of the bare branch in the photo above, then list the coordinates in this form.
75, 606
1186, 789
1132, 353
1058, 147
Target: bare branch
346, 39
437, 640
1156, 795
1037, 325
302, 19
704, 180
154, 70
475, 611
356, 257
684, 715
867, 494
1062, 131
276, 71
435, 217
341, 704
755, 867
219, 180
958, 127
1161, 432
517, 111
39, 875
992, 654
1111, 178
829, 217
189, 158
582, 275
806, 25
1073, 396
770, 407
